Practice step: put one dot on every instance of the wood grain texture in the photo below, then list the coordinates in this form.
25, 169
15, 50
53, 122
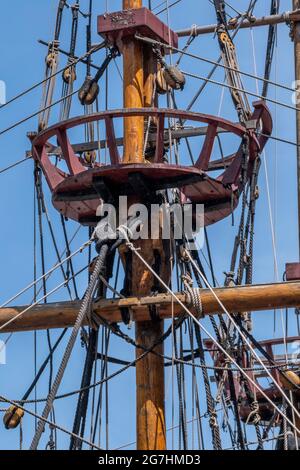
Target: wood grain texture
151, 429
133, 75
138, 90
236, 299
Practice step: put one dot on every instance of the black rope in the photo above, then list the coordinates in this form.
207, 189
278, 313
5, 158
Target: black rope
61, 6
209, 399
89, 38
91, 357
43, 366
275, 5
70, 266
74, 29
180, 396
82, 403
43, 209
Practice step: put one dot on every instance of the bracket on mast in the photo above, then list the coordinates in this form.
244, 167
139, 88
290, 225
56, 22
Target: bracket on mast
292, 271
121, 25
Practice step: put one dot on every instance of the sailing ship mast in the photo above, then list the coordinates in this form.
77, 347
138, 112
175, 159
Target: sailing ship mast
139, 70
148, 311
295, 35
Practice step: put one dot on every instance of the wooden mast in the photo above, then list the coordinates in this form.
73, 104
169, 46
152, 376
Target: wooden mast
296, 39
150, 419
133, 93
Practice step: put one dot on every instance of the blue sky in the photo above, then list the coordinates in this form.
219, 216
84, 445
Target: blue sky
22, 64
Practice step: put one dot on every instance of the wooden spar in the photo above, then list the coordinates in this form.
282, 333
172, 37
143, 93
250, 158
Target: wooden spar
235, 299
285, 17
150, 413
296, 38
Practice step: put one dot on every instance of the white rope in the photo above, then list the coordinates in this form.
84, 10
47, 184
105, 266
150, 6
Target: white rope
37, 302
61, 254
48, 276
46, 421
135, 251
79, 250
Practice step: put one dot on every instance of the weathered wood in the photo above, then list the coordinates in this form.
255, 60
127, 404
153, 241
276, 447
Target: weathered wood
102, 144
132, 51
151, 428
138, 91
296, 37
241, 298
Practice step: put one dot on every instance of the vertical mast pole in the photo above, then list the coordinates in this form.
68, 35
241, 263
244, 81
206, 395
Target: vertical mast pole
133, 93
150, 413
296, 38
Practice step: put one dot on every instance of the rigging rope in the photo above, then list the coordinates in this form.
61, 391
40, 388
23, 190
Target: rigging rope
46, 421
136, 252
33, 87
51, 69
183, 52
55, 289
69, 74
91, 357
244, 335
229, 57
82, 312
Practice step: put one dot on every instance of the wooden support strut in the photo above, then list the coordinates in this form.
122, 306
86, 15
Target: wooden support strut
236, 299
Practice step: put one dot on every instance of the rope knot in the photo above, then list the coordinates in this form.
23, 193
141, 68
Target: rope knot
194, 31
193, 296
254, 415
213, 419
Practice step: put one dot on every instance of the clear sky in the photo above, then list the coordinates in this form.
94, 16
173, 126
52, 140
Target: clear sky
22, 65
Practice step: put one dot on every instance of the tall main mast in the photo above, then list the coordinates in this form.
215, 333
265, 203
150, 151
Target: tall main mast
296, 39
150, 409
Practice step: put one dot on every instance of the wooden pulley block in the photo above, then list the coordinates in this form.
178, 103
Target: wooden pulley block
233, 22
161, 84
88, 92
42, 126
89, 157
226, 40
51, 59
12, 417
174, 77
290, 380
69, 74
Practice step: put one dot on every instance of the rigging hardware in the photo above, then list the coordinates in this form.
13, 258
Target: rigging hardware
90, 89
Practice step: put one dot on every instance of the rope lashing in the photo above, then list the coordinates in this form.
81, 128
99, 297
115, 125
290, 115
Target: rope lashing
213, 419
256, 419
194, 30
193, 296
254, 416
123, 234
